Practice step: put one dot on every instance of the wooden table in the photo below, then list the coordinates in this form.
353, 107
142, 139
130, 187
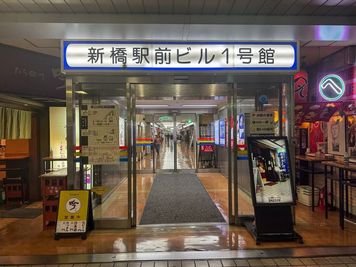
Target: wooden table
343, 167
312, 161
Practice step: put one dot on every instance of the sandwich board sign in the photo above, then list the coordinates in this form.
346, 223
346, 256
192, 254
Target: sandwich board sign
75, 216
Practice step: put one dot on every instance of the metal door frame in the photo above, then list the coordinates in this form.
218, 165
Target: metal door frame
133, 86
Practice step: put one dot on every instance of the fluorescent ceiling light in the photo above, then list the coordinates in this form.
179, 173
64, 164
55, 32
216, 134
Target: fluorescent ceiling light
81, 92
199, 106
151, 106
245, 105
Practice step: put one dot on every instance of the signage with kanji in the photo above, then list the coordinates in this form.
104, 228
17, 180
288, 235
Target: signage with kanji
74, 212
156, 56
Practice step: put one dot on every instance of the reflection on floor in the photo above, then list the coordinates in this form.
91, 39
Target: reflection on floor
26, 237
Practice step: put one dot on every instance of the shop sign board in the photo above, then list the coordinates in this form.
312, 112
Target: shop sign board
100, 134
331, 87
271, 177
74, 212
178, 56
262, 123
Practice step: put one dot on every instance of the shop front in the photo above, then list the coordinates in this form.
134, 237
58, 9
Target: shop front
109, 82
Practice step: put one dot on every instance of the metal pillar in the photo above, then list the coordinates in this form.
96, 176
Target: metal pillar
196, 142
134, 157
175, 141
280, 110
129, 152
234, 157
70, 109
289, 92
229, 159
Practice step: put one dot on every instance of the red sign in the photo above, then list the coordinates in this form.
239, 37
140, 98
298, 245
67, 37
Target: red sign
301, 87
207, 148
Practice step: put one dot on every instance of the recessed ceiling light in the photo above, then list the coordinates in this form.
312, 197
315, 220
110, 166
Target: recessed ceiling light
81, 92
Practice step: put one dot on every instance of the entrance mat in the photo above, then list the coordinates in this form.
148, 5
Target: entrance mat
21, 213
179, 198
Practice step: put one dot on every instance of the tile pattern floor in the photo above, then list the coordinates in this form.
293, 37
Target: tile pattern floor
338, 261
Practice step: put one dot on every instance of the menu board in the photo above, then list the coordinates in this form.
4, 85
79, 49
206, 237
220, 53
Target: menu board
73, 211
222, 132
216, 132
262, 123
100, 134
271, 179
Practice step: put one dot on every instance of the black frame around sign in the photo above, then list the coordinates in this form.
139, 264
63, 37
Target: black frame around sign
252, 181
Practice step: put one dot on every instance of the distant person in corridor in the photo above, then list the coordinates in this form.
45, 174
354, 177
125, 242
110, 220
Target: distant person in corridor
157, 142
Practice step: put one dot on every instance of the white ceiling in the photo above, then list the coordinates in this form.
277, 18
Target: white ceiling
196, 7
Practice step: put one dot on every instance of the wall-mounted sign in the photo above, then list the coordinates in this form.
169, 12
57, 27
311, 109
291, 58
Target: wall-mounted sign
331, 87
263, 99
262, 123
156, 56
301, 87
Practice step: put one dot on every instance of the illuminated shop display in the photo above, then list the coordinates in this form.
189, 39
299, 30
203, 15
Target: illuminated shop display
269, 160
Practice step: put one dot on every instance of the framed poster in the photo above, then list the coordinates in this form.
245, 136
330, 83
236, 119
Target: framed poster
270, 172
336, 135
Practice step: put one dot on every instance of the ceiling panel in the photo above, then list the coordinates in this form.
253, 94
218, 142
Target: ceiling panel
343, 43
76, 6
268, 7
196, 6
91, 6
224, 7
151, 6
181, 6
312, 7
46, 6
283, 6
210, 6
44, 43
21, 43
4, 7
165, 6
106, 6
326, 7
348, 10
121, 6
319, 43
31, 6
15, 6
239, 6
297, 7
61, 6
136, 6
254, 7
341, 7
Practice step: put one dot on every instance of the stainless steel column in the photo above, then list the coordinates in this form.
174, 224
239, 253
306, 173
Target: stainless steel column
70, 110
289, 92
229, 159
175, 140
134, 157
196, 142
234, 158
280, 110
129, 152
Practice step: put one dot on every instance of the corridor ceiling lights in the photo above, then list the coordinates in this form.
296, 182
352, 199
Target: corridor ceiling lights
81, 92
199, 106
151, 106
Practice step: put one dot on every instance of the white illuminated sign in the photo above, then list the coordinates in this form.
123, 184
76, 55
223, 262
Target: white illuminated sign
140, 56
331, 87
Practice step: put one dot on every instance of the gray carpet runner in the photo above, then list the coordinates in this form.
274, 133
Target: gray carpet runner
179, 198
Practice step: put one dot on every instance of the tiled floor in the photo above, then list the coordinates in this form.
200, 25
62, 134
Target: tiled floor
338, 261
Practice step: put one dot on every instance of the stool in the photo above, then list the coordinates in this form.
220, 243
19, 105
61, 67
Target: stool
13, 190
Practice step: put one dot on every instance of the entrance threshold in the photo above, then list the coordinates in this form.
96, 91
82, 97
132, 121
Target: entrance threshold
110, 258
